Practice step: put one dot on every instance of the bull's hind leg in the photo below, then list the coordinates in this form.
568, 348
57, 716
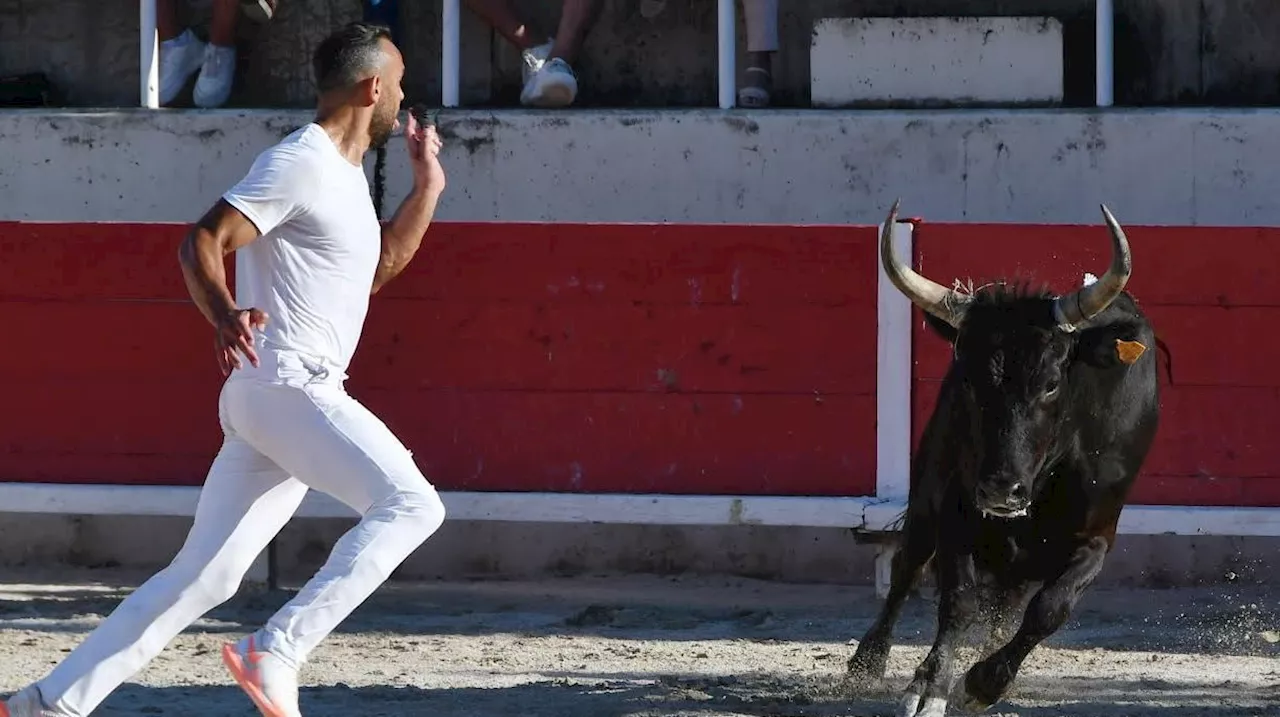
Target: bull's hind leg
926, 696
989, 679
869, 661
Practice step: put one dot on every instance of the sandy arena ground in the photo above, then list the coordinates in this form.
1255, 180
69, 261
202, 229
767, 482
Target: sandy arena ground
649, 646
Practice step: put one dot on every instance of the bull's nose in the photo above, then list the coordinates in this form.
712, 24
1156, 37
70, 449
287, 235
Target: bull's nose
1003, 496
1017, 492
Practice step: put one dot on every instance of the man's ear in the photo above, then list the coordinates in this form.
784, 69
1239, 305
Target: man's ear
369, 90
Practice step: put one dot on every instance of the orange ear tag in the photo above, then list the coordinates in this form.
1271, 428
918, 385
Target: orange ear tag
1129, 351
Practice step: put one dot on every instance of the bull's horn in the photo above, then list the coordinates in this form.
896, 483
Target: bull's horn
938, 300
1089, 301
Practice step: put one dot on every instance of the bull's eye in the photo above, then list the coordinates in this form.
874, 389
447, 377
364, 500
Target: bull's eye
1051, 389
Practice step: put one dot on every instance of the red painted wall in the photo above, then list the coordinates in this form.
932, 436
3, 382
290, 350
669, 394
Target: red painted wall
632, 358
671, 358
1213, 298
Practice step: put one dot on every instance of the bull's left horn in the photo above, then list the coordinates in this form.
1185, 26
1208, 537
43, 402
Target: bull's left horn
1089, 301
935, 298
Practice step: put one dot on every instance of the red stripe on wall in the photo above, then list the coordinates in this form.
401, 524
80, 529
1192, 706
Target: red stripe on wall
608, 347
1211, 296
680, 359
684, 264
597, 441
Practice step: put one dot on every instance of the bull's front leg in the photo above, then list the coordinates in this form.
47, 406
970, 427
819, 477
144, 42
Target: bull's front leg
869, 661
926, 696
989, 679
1003, 618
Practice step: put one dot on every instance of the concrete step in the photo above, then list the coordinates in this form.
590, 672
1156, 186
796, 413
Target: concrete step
936, 61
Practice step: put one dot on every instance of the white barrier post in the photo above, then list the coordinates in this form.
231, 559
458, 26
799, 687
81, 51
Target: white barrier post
149, 55
449, 69
728, 49
1105, 39
893, 391
893, 373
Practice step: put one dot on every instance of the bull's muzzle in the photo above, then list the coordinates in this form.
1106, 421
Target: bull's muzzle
1004, 497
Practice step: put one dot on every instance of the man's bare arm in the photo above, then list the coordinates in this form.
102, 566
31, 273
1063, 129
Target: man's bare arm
202, 254
402, 236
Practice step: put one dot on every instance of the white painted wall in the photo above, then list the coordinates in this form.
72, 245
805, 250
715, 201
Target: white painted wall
1171, 167
936, 60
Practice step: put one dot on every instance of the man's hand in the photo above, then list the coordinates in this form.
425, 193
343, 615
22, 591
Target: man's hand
235, 332
424, 149
402, 236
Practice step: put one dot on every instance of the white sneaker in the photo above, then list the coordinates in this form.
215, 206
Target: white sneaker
25, 704
554, 85
265, 678
534, 58
216, 76
180, 58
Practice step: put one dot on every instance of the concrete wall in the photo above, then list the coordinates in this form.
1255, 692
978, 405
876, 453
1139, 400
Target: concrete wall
463, 549
1165, 167
945, 62
658, 53
1162, 167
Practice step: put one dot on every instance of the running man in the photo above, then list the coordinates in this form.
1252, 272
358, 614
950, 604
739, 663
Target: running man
309, 252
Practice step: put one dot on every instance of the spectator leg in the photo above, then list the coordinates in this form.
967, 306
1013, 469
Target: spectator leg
217, 73
181, 52
222, 26
576, 19
761, 17
167, 20
503, 19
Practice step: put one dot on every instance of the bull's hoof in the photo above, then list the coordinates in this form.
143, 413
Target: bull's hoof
869, 662
984, 685
908, 704
912, 706
974, 705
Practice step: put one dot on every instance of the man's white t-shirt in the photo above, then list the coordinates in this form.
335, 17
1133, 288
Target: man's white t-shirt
312, 268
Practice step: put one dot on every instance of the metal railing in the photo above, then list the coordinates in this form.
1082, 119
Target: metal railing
149, 54
1104, 72
726, 39
450, 48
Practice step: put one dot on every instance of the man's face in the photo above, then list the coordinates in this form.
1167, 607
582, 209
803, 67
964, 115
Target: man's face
384, 121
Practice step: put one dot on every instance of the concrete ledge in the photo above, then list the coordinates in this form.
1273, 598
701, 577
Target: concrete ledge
932, 61
691, 166
516, 550
630, 509
864, 513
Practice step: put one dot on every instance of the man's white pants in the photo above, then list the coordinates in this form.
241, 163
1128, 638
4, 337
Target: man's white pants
279, 440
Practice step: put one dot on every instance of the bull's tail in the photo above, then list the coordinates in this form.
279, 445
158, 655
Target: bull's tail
897, 523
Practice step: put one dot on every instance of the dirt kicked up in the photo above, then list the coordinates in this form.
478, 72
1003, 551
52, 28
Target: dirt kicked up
651, 646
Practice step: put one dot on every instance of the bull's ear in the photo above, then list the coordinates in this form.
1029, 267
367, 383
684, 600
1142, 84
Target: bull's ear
1112, 345
941, 328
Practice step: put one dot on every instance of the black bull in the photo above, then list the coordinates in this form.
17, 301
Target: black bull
1045, 416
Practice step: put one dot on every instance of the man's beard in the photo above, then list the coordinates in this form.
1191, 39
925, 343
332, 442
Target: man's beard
380, 130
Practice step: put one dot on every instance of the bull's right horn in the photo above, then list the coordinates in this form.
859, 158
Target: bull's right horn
1083, 304
946, 304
